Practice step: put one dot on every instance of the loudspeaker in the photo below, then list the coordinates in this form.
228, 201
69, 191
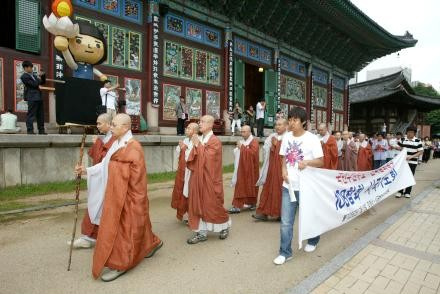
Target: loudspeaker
76, 101
163, 9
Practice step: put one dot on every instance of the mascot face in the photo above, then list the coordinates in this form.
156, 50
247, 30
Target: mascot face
86, 49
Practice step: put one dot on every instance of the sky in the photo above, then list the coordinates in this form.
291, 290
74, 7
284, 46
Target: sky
422, 19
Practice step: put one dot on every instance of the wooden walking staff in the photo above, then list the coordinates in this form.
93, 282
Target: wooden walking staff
78, 183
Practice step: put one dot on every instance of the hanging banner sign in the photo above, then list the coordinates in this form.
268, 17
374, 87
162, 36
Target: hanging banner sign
59, 65
278, 84
330, 198
230, 76
155, 62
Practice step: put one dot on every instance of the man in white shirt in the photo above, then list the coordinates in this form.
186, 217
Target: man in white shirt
109, 97
9, 123
261, 107
299, 149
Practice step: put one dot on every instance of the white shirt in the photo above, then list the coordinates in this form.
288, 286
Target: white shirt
8, 121
111, 98
296, 149
393, 143
260, 111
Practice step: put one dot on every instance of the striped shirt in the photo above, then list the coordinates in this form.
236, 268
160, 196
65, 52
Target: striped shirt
412, 146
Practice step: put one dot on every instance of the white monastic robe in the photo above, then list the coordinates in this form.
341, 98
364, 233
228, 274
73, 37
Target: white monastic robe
97, 176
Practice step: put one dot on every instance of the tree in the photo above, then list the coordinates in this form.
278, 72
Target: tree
433, 117
425, 90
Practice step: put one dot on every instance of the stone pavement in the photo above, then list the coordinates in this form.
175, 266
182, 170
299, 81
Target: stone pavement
404, 258
33, 252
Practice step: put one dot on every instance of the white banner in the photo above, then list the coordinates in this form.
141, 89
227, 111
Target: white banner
330, 198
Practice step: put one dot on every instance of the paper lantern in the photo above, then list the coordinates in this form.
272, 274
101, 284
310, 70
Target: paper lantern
62, 8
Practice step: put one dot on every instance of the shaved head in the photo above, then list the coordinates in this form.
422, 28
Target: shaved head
322, 129
206, 124
208, 119
105, 118
283, 121
123, 118
191, 129
103, 123
281, 126
121, 125
322, 126
194, 126
245, 131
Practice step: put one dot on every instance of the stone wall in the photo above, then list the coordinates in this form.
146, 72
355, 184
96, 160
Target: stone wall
37, 159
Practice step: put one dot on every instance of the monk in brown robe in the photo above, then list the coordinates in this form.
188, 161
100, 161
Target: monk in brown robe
271, 177
125, 235
179, 200
246, 172
349, 153
97, 152
329, 147
206, 196
365, 154
339, 144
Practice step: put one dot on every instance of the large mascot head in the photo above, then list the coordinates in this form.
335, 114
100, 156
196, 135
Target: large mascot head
89, 46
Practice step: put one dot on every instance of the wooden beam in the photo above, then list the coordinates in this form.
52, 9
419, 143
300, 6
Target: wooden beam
320, 45
283, 19
271, 13
293, 26
257, 4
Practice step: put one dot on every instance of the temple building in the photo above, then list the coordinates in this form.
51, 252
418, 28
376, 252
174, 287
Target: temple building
214, 53
389, 103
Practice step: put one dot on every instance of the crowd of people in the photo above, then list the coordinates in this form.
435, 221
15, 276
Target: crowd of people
117, 220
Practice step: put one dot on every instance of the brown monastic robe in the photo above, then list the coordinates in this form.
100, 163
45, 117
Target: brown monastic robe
246, 192
270, 198
330, 150
125, 236
178, 201
97, 152
206, 196
365, 158
349, 156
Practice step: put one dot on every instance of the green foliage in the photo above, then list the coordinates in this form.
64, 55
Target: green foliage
433, 117
24, 191
426, 91
29, 190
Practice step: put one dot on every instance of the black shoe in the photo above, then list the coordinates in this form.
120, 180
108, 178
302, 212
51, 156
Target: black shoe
224, 234
233, 210
155, 249
196, 238
30, 133
42, 133
260, 217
